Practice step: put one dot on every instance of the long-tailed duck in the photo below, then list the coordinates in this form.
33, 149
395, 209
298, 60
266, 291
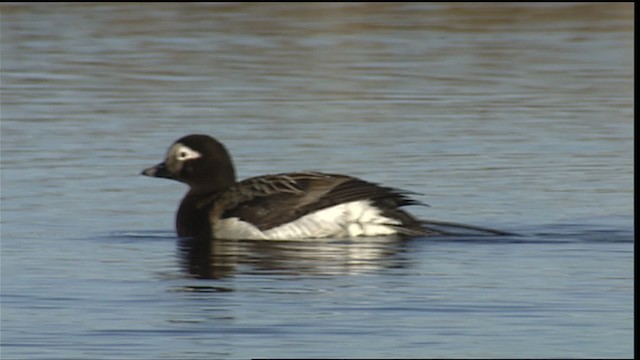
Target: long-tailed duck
286, 206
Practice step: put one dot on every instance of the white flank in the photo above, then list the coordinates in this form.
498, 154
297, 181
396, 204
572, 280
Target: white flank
357, 218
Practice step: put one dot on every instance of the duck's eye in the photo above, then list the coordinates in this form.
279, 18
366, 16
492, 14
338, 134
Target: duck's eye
183, 153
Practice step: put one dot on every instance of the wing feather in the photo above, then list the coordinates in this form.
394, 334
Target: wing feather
273, 200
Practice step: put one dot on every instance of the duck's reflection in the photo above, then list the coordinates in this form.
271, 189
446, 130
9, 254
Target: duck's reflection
217, 258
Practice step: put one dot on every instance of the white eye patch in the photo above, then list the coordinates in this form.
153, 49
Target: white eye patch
183, 153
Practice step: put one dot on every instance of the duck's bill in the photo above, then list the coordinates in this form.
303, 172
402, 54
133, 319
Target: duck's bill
159, 171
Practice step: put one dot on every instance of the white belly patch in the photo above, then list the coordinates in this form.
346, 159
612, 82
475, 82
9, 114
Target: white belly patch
356, 218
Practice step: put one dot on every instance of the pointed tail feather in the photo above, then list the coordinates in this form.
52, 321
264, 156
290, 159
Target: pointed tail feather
449, 228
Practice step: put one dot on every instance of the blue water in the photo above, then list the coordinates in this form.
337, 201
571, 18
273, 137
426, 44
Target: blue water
517, 117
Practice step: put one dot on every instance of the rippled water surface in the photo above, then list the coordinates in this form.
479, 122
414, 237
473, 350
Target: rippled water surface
512, 116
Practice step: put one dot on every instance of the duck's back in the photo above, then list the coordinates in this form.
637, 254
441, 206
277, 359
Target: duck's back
310, 205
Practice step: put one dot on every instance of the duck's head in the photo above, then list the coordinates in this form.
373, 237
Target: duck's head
199, 161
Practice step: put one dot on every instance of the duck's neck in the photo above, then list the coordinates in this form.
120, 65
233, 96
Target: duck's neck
192, 219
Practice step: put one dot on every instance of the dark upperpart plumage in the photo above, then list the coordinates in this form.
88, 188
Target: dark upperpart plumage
285, 206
